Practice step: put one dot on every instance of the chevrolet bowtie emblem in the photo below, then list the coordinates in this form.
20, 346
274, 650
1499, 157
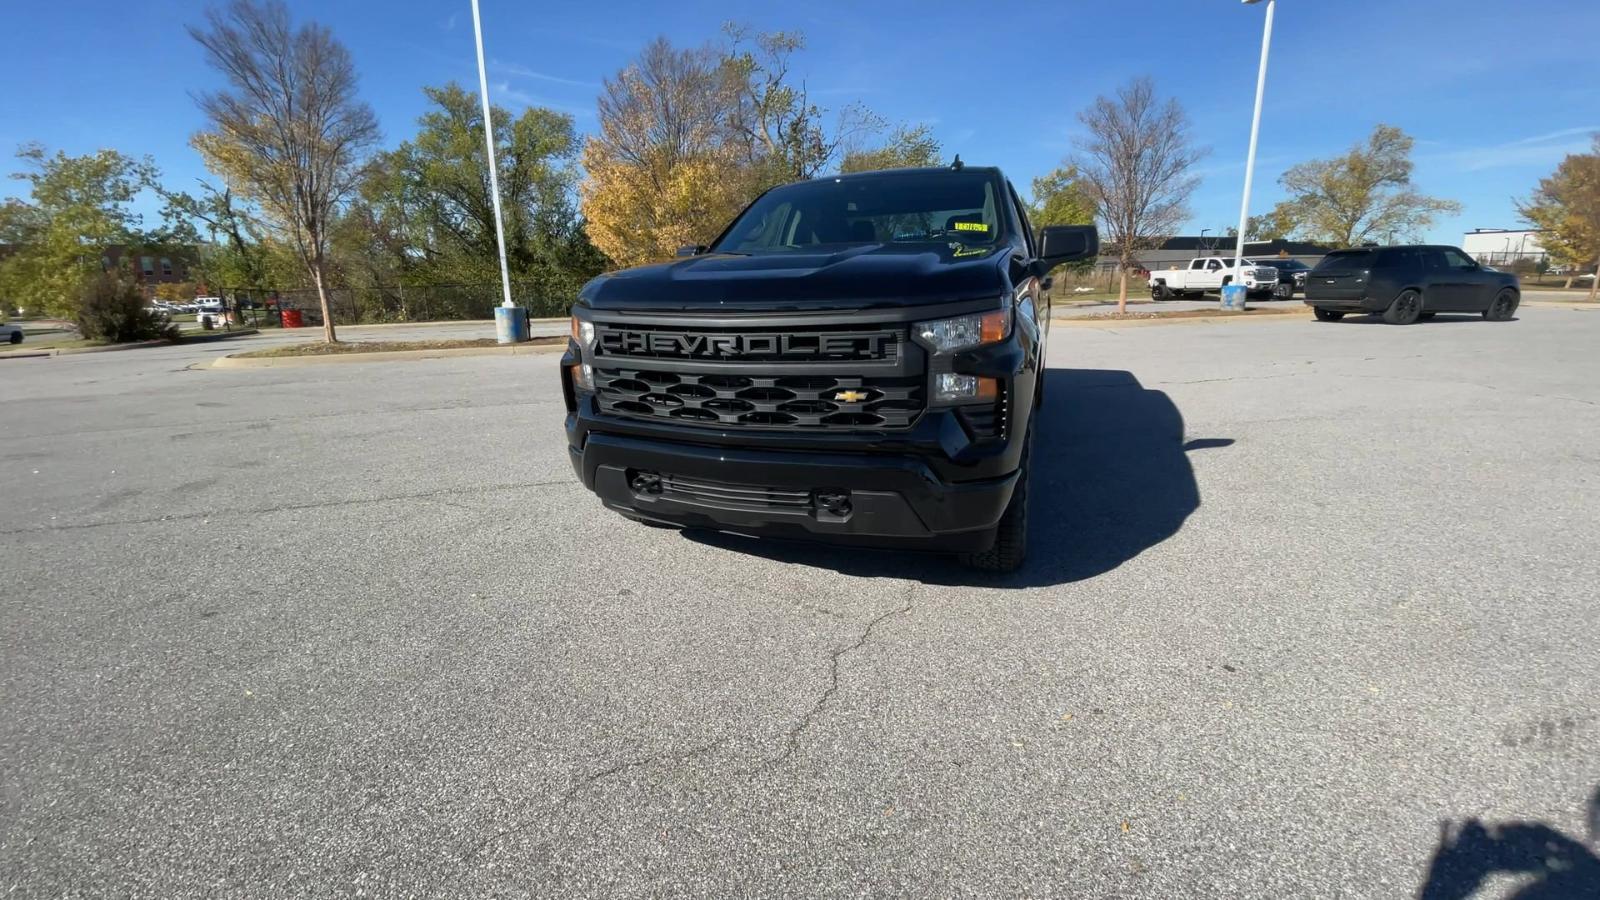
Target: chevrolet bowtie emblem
850, 396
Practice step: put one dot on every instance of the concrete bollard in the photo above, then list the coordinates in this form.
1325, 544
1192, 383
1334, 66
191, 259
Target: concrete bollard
1233, 298
510, 324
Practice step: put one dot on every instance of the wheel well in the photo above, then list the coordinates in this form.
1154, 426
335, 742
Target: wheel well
1227, 279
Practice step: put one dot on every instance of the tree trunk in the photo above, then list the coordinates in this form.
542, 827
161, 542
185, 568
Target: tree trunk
327, 311
1122, 290
1568, 285
1594, 286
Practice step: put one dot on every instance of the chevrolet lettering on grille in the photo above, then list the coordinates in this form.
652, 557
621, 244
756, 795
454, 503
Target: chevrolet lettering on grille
777, 345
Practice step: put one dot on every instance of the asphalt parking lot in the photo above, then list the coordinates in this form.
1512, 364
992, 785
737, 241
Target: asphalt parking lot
1301, 595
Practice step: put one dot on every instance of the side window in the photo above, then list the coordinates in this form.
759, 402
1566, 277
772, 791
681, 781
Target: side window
1022, 220
1457, 260
1198, 264
1213, 266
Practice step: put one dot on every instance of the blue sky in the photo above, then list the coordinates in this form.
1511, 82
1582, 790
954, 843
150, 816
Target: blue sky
1494, 92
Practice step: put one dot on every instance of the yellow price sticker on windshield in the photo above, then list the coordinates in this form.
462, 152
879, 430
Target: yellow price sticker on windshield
971, 226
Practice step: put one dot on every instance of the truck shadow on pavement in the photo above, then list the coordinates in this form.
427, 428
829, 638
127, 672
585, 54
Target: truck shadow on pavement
1111, 479
1549, 864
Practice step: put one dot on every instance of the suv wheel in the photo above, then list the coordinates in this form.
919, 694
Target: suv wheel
16, 337
1011, 534
1326, 315
1503, 307
1405, 309
1283, 291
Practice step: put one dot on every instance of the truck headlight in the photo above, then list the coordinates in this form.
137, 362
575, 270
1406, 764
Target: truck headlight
964, 332
946, 337
583, 372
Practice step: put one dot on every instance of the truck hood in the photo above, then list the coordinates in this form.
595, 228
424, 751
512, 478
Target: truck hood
860, 276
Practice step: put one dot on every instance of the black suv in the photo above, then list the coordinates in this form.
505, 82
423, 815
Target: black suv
1405, 284
855, 359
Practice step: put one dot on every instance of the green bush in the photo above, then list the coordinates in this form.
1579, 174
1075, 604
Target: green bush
112, 308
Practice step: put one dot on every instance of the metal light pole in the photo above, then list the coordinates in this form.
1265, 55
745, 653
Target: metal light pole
1255, 131
488, 141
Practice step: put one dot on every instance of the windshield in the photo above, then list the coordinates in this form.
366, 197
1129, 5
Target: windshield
904, 208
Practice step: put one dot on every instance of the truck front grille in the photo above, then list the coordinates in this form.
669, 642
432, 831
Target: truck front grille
820, 402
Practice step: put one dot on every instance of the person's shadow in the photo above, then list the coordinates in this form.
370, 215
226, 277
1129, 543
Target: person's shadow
1111, 478
1553, 865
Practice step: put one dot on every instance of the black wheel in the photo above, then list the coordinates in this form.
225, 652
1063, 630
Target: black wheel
1159, 291
16, 337
1405, 309
1503, 307
1326, 315
1011, 534
1283, 292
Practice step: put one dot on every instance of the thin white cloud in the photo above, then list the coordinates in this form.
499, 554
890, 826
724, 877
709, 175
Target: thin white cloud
517, 71
450, 23
503, 90
1539, 150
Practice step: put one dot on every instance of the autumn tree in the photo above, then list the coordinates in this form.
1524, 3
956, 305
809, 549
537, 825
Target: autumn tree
1364, 195
1135, 163
289, 132
906, 147
1566, 209
688, 137
77, 206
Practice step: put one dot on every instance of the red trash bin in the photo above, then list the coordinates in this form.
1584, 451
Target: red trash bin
293, 319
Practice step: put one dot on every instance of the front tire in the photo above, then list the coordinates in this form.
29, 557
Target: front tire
1326, 315
16, 337
1283, 292
1011, 534
1503, 307
1405, 309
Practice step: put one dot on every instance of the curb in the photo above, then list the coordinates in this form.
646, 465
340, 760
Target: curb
560, 320
290, 362
1105, 322
136, 345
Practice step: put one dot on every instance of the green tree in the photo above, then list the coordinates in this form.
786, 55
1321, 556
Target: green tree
76, 208
1061, 198
1365, 194
289, 133
425, 215
1566, 208
906, 147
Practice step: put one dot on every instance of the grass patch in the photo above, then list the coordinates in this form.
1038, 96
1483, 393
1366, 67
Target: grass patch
60, 341
322, 348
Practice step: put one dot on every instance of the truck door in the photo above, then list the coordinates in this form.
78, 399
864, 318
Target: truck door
1213, 274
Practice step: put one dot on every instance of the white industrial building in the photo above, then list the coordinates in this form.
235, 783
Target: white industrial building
1499, 246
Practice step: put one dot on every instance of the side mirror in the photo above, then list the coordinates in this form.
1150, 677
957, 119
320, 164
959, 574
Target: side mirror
1064, 243
691, 249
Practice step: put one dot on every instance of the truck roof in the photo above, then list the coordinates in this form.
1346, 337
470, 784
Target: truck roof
919, 170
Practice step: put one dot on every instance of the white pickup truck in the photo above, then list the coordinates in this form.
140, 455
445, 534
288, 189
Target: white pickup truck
1210, 273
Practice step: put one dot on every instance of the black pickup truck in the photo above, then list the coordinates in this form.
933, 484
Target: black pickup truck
855, 359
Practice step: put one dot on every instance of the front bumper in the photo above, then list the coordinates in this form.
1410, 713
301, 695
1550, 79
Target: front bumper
893, 501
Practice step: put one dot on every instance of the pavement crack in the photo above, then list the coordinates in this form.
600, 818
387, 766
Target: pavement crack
792, 738
290, 507
583, 783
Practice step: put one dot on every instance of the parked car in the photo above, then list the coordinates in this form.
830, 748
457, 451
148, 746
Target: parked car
1291, 276
857, 359
11, 334
208, 311
1404, 284
1212, 273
